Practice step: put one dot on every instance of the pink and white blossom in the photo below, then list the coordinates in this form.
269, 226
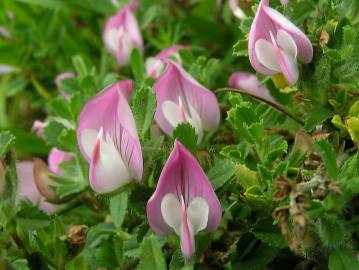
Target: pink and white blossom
155, 65
180, 98
275, 44
108, 139
122, 33
28, 190
184, 200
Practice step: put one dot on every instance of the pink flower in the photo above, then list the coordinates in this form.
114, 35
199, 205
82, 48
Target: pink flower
236, 10
155, 65
108, 139
275, 43
250, 84
182, 99
55, 158
184, 201
27, 188
122, 34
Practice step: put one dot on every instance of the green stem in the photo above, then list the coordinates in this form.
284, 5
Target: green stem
276, 106
3, 114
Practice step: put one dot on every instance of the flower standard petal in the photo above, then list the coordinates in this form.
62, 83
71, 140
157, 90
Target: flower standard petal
183, 190
108, 139
176, 83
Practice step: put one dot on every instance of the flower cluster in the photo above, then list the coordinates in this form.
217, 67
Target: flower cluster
184, 200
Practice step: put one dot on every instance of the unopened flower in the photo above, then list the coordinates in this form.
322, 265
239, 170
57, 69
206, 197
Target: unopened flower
155, 65
236, 10
180, 98
122, 34
184, 201
275, 43
108, 139
27, 188
250, 84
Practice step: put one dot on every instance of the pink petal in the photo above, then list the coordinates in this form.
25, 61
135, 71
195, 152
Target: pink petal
62, 76
236, 10
269, 20
249, 83
28, 190
182, 176
175, 82
131, 37
287, 63
38, 128
110, 112
166, 53
55, 158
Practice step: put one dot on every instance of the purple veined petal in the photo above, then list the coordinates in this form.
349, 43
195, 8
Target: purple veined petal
55, 158
250, 84
236, 10
122, 34
176, 84
268, 20
108, 139
182, 177
27, 188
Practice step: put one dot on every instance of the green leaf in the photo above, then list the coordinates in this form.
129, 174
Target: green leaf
60, 107
60, 136
221, 173
332, 231
343, 259
329, 157
246, 177
118, 208
7, 139
143, 107
80, 65
152, 257
137, 64
186, 134
316, 116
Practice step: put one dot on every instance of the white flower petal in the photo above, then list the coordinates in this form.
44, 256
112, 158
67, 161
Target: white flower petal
197, 214
171, 212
